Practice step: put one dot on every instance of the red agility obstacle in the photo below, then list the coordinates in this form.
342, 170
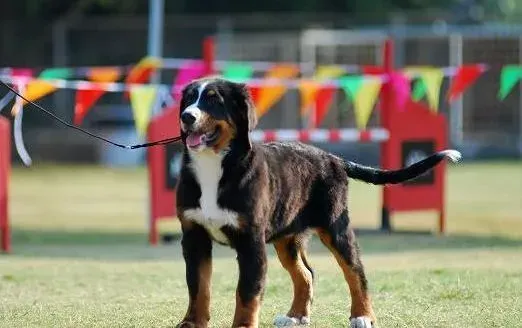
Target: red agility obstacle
5, 164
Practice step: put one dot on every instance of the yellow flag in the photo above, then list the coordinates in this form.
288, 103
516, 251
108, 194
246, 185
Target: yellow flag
269, 95
37, 89
365, 101
142, 100
328, 72
433, 80
412, 72
307, 89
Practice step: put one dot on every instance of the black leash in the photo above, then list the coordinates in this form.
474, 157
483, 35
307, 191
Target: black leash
149, 144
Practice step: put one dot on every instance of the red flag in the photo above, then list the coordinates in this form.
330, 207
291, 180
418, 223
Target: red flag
464, 78
372, 70
323, 101
142, 72
85, 99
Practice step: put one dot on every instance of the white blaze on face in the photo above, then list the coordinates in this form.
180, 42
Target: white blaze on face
193, 108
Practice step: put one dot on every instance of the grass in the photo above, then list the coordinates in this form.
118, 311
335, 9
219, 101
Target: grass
80, 257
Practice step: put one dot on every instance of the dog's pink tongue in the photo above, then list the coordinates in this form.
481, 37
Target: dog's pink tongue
194, 139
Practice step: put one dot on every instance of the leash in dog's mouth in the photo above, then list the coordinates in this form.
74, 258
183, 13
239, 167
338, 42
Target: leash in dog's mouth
148, 144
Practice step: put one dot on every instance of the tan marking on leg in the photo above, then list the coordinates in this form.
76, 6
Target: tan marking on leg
301, 277
361, 301
198, 312
247, 313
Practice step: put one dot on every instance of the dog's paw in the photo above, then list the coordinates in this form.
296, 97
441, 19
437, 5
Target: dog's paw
285, 321
361, 322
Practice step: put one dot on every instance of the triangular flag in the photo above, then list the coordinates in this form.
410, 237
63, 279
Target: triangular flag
104, 74
510, 75
329, 71
270, 94
365, 100
55, 74
401, 89
465, 76
85, 99
238, 71
307, 90
142, 72
419, 90
324, 94
189, 70
37, 89
433, 80
351, 85
142, 99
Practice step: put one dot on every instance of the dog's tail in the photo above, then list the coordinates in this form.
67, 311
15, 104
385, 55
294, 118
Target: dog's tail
379, 177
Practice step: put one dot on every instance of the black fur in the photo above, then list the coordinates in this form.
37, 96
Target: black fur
277, 189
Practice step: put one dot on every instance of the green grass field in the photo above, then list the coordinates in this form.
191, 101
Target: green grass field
80, 257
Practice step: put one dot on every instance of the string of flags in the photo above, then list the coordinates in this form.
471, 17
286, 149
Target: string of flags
316, 92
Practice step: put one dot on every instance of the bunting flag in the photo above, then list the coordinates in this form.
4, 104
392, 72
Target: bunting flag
86, 98
55, 74
190, 70
307, 90
269, 95
364, 93
238, 71
365, 101
509, 76
325, 93
38, 88
401, 89
142, 72
466, 75
419, 90
432, 79
142, 100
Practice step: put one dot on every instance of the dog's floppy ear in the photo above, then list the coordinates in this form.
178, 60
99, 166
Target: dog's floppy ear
249, 109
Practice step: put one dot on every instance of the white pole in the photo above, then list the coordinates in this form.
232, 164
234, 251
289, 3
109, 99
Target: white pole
155, 35
456, 110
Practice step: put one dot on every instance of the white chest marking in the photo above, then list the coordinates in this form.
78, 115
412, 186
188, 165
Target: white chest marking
207, 169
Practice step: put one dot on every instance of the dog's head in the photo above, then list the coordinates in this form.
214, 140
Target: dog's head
216, 114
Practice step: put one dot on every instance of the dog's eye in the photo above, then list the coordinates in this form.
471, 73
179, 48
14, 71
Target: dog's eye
211, 93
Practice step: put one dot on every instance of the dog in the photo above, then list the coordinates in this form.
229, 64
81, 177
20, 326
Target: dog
246, 195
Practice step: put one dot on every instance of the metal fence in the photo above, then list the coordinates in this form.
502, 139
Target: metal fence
479, 121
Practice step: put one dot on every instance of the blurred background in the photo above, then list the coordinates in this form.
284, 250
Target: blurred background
81, 213
449, 33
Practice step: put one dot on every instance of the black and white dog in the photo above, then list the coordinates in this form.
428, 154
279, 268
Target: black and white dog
247, 195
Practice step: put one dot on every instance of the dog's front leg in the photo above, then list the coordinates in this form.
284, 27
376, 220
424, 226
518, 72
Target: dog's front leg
197, 251
251, 256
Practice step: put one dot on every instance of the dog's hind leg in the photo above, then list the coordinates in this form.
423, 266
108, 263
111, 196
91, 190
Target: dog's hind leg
340, 240
292, 254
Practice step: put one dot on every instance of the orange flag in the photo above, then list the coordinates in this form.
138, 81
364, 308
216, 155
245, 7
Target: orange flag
37, 89
85, 99
271, 94
142, 72
307, 90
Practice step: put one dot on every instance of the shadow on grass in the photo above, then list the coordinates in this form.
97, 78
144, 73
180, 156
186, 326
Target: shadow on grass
128, 246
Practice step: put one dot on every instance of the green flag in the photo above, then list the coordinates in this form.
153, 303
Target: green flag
238, 71
55, 73
510, 75
351, 85
419, 90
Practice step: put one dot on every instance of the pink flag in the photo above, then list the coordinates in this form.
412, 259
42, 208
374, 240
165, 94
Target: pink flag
190, 70
401, 89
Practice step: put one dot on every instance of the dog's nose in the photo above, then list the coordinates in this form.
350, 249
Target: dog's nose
188, 118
